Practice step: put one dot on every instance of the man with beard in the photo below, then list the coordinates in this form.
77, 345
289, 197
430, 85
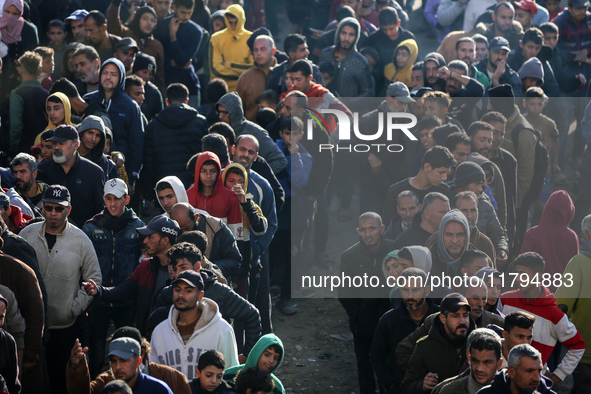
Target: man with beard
496, 67
523, 375
484, 356
149, 277
83, 178
464, 91
365, 257
466, 52
440, 354
194, 325
87, 65
407, 206
24, 168
396, 324
433, 62
476, 293
502, 26
75, 22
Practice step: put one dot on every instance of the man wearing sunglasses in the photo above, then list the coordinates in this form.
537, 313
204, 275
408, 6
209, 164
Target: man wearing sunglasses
66, 258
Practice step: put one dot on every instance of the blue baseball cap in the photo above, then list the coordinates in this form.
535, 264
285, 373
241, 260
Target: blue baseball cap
77, 15
161, 224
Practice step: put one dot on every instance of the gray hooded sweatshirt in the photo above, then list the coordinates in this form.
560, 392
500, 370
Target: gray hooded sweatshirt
455, 215
267, 148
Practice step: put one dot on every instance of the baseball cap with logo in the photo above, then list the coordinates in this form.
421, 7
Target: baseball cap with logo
57, 194
190, 277
116, 187
160, 224
124, 348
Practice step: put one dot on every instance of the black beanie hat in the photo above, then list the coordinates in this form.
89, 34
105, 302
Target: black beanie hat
467, 173
144, 62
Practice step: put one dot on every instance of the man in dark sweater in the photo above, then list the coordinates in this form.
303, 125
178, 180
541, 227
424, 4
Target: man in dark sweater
463, 90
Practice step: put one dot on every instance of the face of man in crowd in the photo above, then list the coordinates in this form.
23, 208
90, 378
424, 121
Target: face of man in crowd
407, 208
301, 52
476, 265
300, 81
268, 360
210, 377
482, 141
518, 336
527, 375
494, 290
208, 174
483, 365
413, 295
24, 178
55, 113
167, 198
417, 78
578, 14
125, 370
223, 114
370, 232
394, 267
498, 134
183, 265
391, 31
466, 52
110, 77
262, 52
426, 137
481, 52
523, 17
347, 37
126, 56
94, 33
530, 49
456, 323
78, 30
154, 244
218, 24
470, 210
47, 65
432, 108
453, 86
496, 56
116, 206
503, 19
476, 297
64, 151
396, 105
87, 70
145, 74
55, 215
436, 212
461, 152
246, 152
526, 279
551, 39
435, 175
232, 21
454, 239
431, 68
46, 149
162, 8
185, 297
90, 139
137, 93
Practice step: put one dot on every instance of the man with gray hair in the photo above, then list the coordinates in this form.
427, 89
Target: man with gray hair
24, 169
253, 81
83, 178
407, 206
435, 206
484, 356
524, 374
576, 300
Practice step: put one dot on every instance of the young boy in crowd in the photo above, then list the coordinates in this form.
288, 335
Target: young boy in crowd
209, 374
47, 66
253, 381
534, 103
56, 33
267, 355
417, 77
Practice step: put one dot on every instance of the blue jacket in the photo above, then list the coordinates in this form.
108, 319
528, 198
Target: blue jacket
263, 196
572, 38
188, 39
126, 118
117, 246
148, 384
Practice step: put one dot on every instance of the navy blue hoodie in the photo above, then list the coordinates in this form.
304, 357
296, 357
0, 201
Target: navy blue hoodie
126, 118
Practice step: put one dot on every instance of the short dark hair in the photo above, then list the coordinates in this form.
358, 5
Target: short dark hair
255, 379
494, 116
405, 254
519, 319
131, 81
217, 144
419, 66
56, 23
478, 125
211, 357
55, 99
292, 123
44, 51
485, 339
268, 96
535, 92
464, 39
184, 3
480, 39
97, 16
47, 134
428, 122
343, 12
195, 237
265, 116
458, 65
88, 51
438, 156
65, 86
302, 66
276, 348
177, 93
452, 140
225, 130
388, 16
215, 90
184, 250
441, 98
531, 260
163, 186
292, 42
470, 255
371, 52
533, 34
549, 27
116, 386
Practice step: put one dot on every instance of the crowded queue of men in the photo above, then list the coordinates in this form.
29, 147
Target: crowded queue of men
177, 113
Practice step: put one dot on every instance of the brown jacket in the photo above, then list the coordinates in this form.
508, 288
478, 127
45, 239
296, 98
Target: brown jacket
78, 378
250, 85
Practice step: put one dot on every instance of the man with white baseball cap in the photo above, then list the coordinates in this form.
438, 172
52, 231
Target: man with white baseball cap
118, 247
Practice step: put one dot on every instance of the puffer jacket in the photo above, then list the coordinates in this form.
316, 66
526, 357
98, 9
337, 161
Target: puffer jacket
117, 246
353, 78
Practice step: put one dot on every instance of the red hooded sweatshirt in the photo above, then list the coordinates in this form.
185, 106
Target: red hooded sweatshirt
222, 203
552, 238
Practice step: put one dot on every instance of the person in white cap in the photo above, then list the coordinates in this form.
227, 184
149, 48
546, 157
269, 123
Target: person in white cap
117, 245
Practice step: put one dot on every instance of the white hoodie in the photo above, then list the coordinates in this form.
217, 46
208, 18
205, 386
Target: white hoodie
179, 191
211, 332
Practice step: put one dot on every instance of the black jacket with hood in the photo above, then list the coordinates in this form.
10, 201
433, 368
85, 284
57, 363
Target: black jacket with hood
267, 148
126, 118
172, 137
353, 78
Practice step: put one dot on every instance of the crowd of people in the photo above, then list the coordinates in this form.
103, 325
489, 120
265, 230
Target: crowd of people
167, 172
